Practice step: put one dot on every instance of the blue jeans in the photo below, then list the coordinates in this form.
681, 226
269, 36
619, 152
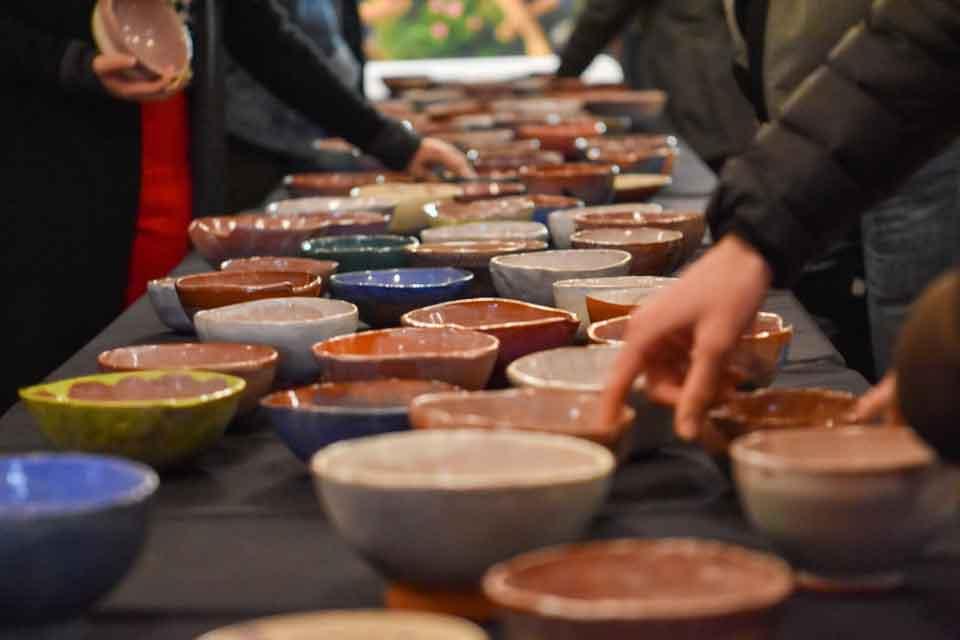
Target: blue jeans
908, 240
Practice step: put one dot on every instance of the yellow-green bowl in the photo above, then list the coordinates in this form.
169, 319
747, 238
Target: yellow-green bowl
160, 432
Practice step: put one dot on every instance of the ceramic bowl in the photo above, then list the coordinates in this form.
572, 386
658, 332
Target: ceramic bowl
656, 589
493, 186
319, 268
256, 364
409, 217
530, 276
352, 625
642, 107
75, 515
849, 506
221, 288
545, 204
339, 184
159, 417
500, 161
606, 304
486, 231
474, 256
308, 419
323, 206
762, 349
442, 214
166, 304
151, 32
421, 98
637, 187
467, 140
553, 107
561, 138
398, 85
562, 226
520, 327
608, 332
515, 148
246, 235
572, 294
359, 253
592, 183
586, 369
384, 296
571, 413
652, 161
655, 251
290, 325
456, 356
525, 490
773, 409
637, 142
691, 224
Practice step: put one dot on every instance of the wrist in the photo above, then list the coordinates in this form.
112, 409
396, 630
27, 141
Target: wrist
749, 257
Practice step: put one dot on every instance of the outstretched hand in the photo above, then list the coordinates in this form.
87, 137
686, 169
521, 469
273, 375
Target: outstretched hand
109, 68
437, 153
880, 403
682, 339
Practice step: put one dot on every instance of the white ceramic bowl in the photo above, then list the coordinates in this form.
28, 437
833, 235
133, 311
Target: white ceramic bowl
166, 302
505, 230
530, 276
572, 294
437, 508
562, 225
291, 325
849, 505
317, 205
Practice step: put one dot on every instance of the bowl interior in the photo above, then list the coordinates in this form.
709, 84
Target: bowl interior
627, 237
333, 244
484, 312
152, 32
487, 230
281, 311
244, 280
307, 206
321, 268
625, 297
609, 331
393, 394
576, 368
193, 355
137, 389
403, 278
788, 408
565, 260
519, 206
404, 343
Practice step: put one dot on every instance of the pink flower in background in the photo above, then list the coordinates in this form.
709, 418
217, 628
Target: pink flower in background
455, 9
437, 6
474, 24
439, 30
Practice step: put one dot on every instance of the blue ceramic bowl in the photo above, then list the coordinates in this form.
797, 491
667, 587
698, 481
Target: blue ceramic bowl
358, 253
545, 204
309, 418
71, 525
383, 296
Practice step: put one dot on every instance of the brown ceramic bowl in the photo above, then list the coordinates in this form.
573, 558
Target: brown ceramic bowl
491, 210
339, 184
444, 111
257, 364
544, 107
656, 160
639, 142
571, 413
398, 85
615, 303
637, 187
762, 349
221, 237
520, 327
655, 589
222, 288
467, 140
608, 331
692, 224
770, 409
474, 256
151, 32
486, 161
319, 268
457, 356
496, 186
561, 138
592, 183
655, 252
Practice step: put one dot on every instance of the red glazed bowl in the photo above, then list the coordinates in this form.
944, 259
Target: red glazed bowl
655, 252
592, 183
222, 288
319, 268
692, 224
561, 138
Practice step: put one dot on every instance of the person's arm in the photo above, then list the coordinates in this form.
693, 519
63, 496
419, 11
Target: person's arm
598, 24
262, 38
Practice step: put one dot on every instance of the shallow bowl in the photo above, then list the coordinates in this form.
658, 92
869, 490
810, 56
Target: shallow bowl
651, 161
561, 138
692, 224
530, 276
637, 187
321, 206
222, 288
339, 184
655, 252
409, 218
519, 208
592, 183
360, 253
572, 294
505, 230
474, 256
642, 107
151, 32
320, 268
492, 186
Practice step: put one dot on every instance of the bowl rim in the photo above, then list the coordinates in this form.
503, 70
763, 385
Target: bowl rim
147, 486
520, 378
598, 463
594, 326
455, 277
557, 316
728, 410
317, 244
268, 356
492, 345
672, 237
495, 584
573, 283
60, 388
504, 261
215, 315
229, 263
269, 402
330, 204
783, 329
196, 282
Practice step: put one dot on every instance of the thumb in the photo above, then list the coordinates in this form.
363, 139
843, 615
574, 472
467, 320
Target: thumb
112, 62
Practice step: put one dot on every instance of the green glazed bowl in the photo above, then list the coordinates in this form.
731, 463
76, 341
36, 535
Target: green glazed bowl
362, 253
160, 432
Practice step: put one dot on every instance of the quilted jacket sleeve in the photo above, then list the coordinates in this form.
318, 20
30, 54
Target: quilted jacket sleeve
33, 57
886, 100
598, 24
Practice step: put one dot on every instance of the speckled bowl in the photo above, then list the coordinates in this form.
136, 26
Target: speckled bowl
359, 253
655, 252
384, 296
508, 230
530, 276
162, 432
308, 419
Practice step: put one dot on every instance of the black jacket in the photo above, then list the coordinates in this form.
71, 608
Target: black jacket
886, 100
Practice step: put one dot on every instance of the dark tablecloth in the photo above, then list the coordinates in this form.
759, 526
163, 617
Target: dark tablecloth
240, 534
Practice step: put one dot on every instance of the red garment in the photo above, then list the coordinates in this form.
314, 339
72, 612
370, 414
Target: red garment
165, 193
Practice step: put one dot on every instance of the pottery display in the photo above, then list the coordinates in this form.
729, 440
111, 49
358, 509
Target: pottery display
636, 187
775, 409
221, 237
409, 218
692, 224
592, 183
160, 417
525, 489
848, 506
76, 515
221, 288
441, 214
256, 364
290, 325
530, 276
503, 161
166, 303
506, 230
322, 206
339, 184
642, 107
561, 138
309, 418
474, 256
354, 624
384, 295
571, 413
360, 253
652, 161
457, 356
489, 187
572, 294
520, 327
656, 589
606, 304
655, 251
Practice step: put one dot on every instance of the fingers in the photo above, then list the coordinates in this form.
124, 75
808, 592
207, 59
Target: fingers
435, 152
112, 62
878, 403
701, 386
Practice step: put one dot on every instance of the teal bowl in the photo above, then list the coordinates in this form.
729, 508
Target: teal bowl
362, 253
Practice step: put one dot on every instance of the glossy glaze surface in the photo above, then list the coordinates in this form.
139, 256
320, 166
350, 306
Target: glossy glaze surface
572, 294
530, 276
518, 208
221, 288
339, 184
592, 183
509, 230
359, 253
655, 251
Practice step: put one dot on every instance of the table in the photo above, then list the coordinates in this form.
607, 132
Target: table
240, 534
